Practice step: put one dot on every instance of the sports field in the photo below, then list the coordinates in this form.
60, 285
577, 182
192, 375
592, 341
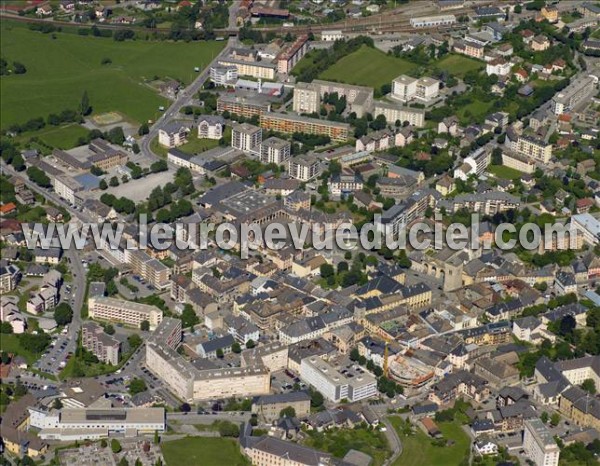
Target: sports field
367, 67
61, 66
459, 65
203, 451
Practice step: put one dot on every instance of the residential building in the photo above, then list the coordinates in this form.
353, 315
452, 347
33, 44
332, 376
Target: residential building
271, 451
223, 75
588, 226
173, 134
210, 127
125, 312
268, 407
518, 162
359, 99
255, 69
246, 105
469, 48
102, 345
578, 91
307, 98
303, 167
275, 150
394, 112
534, 148
550, 13
498, 66
406, 88
247, 138
289, 124
539, 444
292, 54
67, 187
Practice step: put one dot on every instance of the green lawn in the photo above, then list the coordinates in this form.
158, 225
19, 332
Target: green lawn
62, 137
474, 111
203, 451
61, 66
417, 449
506, 173
459, 65
367, 67
10, 343
339, 441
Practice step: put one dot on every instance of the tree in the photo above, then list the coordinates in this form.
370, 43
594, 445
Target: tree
19, 68
143, 129
103, 443
554, 419
6, 328
589, 386
544, 417
327, 270
115, 446
114, 181
567, 325
39, 177
220, 353
109, 329
156, 438
63, 314
288, 411
188, 316
20, 389
57, 404
137, 386
103, 185
236, 348
185, 408
354, 354
84, 105
228, 429
316, 399
250, 344
145, 326
134, 340
4, 357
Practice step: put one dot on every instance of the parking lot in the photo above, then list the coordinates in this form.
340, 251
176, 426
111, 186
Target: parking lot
57, 354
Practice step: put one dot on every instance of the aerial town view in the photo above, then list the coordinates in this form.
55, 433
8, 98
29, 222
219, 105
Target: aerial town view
300, 232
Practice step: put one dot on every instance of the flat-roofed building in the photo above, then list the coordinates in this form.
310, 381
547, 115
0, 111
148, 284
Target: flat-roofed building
433, 21
292, 54
102, 345
518, 162
246, 105
406, 88
303, 167
332, 35
334, 385
126, 312
534, 148
289, 124
246, 137
395, 112
256, 69
87, 423
306, 98
224, 74
539, 444
275, 150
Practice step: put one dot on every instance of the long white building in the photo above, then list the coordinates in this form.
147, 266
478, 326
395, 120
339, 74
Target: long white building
539, 444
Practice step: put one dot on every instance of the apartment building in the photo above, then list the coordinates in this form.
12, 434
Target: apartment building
255, 69
334, 385
534, 148
518, 162
394, 112
474, 164
306, 98
488, 203
292, 54
289, 124
588, 226
9, 278
359, 99
210, 127
406, 88
222, 75
243, 105
67, 187
539, 444
247, 138
275, 150
125, 312
173, 134
469, 48
102, 345
303, 167
578, 91
272, 451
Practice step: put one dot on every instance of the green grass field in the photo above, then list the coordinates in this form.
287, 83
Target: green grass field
203, 451
60, 69
507, 173
60, 137
339, 441
418, 449
459, 65
367, 67
10, 344
474, 111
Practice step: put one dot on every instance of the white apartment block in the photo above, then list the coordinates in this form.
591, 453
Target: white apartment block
303, 168
578, 91
210, 127
334, 385
306, 98
173, 134
394, 112
66, 187
125, 312
539, 444
588, 226
498, 66
222, 75
406, 88
518, 162
275, 150
534, 148
247, 138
